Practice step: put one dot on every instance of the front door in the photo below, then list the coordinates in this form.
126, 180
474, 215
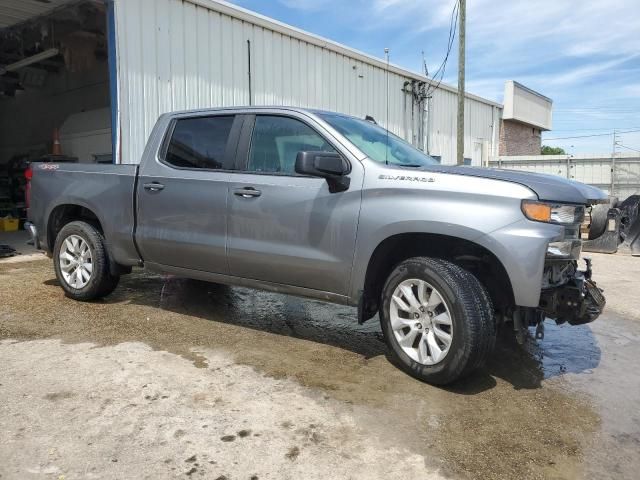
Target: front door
283, 227
182, 195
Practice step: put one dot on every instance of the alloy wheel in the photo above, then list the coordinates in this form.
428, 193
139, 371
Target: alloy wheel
421, 321
75, 260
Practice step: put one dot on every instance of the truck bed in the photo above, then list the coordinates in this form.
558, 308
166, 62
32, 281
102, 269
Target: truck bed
106, 190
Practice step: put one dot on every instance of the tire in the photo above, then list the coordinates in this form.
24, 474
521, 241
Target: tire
74, 281
472, 328
598, 221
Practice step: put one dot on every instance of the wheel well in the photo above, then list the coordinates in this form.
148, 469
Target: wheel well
63, 214
470, 256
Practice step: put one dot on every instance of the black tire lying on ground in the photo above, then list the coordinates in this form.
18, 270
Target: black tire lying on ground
472, 326
598, 220
83, 276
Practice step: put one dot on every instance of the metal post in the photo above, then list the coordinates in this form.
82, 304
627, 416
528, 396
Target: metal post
249, 70
461, 45
613, 165
428, 145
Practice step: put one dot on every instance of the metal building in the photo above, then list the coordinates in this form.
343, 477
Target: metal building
175, 54
147, 57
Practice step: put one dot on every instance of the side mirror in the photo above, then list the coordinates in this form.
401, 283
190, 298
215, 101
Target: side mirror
328, 165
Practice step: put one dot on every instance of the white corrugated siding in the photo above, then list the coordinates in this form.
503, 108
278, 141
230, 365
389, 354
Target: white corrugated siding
176, 55
478, 126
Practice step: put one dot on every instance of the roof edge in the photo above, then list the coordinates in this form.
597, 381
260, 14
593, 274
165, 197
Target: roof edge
244, 14
532, 92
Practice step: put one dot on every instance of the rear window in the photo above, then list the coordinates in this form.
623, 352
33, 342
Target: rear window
199, 142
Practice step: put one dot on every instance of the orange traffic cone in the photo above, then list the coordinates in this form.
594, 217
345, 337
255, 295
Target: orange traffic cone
56, 149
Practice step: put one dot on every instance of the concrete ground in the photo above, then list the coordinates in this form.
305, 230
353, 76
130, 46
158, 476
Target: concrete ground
175, 378
18, 240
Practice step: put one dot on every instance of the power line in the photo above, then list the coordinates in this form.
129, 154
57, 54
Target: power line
587, 136
628, 148
453, 25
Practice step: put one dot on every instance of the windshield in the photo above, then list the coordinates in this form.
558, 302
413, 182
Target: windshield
378, 144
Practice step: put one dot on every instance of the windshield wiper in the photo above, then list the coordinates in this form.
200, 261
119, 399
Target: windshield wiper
410, 165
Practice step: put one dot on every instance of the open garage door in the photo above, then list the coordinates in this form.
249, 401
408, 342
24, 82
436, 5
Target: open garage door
55, 91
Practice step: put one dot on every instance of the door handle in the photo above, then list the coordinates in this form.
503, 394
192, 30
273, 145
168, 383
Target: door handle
247, 192
153, 186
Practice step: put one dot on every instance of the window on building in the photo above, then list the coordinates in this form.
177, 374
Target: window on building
199, 142
276, 141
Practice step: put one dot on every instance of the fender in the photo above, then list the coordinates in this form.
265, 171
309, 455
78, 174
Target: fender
61, 202
365, 247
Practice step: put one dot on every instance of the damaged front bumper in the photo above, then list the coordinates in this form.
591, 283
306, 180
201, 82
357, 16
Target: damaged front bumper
578, 301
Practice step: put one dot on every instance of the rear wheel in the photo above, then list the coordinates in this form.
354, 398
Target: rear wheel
81, 262
437, 319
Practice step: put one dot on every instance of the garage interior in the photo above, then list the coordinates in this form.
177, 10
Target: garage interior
55, 101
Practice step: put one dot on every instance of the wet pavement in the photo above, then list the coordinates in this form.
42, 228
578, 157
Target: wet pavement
565, 407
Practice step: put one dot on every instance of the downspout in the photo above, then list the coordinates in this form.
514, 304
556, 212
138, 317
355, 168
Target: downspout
495, 122
413, 119
249, 71
428, 147
404, 111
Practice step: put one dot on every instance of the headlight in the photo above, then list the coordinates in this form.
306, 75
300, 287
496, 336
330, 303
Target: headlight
552, 212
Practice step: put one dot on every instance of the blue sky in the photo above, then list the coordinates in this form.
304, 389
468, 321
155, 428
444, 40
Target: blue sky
585, 55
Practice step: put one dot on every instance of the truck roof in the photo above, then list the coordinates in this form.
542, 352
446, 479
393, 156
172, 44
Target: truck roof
259, 107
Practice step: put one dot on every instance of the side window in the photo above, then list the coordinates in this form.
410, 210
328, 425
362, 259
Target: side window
199, 142
276, 141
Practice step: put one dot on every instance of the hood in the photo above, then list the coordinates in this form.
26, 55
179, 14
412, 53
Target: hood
548, 187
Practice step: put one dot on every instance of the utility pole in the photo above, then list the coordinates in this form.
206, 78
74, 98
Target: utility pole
613, 163
461, 42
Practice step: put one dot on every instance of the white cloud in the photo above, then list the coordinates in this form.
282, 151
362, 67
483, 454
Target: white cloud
632, 90
422, 14
505, 30
588, 71
579, 28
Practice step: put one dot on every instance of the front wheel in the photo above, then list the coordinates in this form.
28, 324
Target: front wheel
437, 320
81, 262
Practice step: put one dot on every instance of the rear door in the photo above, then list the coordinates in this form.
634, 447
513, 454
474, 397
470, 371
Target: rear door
182, 194
283, 227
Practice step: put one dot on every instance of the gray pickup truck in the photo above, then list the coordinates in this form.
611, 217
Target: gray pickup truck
332, 207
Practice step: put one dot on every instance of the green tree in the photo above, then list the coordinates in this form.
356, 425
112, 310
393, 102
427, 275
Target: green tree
547, 150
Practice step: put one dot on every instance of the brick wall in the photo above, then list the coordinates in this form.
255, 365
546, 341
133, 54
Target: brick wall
519, 139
